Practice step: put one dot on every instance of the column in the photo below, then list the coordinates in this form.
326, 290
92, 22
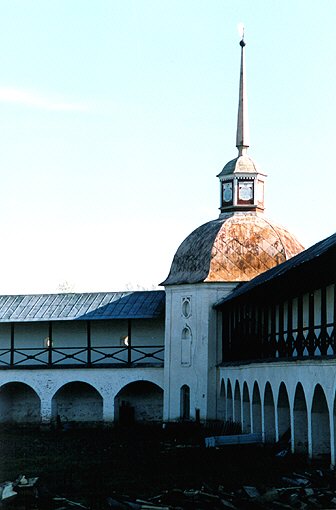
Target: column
46, 412
108, 410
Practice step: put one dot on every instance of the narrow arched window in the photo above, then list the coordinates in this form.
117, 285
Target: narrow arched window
185, 402
186, 346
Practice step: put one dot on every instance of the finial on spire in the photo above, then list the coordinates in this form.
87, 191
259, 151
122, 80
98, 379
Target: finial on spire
241, 32
243, 135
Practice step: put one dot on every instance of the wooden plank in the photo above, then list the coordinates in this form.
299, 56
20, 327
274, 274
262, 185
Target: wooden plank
211, 442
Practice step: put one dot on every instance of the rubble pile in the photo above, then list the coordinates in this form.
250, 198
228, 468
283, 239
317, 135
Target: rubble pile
303, 491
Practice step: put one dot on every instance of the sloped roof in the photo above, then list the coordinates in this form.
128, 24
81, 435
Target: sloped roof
286, 269
241, 164
88, 306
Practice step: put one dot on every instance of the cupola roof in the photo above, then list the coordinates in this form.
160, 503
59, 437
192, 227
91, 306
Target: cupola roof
241, 164
233, 249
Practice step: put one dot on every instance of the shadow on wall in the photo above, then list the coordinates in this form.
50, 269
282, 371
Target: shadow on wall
139, 402
19, 404
77, 402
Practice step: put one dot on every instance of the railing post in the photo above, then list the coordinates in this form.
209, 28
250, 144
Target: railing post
129, 347
11, 361
88, 336
50, 344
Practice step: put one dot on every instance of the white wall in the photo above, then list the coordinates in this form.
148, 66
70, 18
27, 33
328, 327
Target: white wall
108, 382
197, 369
303, 416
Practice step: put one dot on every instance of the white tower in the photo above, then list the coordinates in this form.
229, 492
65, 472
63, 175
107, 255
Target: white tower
207, 266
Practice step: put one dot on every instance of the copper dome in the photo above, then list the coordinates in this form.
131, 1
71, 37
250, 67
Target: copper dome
232, 249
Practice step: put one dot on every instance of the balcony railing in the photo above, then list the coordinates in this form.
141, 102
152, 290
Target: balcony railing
303, 342
82, 357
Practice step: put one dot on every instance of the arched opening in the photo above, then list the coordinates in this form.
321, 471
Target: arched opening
246, 418
186, 340
269, 415
139, 401
300, 432
221, 407
229, 402
320, 424
237, 404
284, 432
77, 402
256, 409
185, 402
19, 404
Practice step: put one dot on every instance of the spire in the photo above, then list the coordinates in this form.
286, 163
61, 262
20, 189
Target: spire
243, 134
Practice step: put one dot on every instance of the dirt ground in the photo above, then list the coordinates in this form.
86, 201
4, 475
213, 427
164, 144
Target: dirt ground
90, 464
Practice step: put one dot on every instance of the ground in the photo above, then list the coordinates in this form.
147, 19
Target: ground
88, 465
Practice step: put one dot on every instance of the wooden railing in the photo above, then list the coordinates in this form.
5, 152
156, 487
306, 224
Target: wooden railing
303, 342
85, 357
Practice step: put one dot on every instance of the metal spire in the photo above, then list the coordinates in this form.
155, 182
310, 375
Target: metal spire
243, 133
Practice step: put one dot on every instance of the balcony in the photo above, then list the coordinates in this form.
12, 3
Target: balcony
82, 357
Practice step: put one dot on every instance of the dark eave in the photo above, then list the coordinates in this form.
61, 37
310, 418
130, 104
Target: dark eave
308, 270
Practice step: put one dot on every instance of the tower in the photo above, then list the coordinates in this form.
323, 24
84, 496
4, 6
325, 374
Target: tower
207, 266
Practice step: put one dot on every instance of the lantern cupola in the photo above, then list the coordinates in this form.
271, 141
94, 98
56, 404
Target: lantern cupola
241, 180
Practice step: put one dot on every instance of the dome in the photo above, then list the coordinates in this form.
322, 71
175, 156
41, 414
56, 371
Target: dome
232, 249
242, 164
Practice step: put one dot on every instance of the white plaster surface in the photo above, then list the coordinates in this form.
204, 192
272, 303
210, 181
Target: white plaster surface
293, 374
106, 383
200, 374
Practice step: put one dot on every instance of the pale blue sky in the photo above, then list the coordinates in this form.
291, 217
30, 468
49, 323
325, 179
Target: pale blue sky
116, 116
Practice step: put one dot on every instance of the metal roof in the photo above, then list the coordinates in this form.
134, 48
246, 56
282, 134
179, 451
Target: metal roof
88, 306
284, 270
235, 248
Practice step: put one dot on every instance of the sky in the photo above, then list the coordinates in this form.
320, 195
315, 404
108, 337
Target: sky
117, 115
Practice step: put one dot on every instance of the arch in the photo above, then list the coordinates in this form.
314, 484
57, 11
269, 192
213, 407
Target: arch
300, 429
269, 415
186, 339
283, 412
19, 404
229, 402
320, 424
139, 401
134, 378
185, 402
221, 407
256, 409
77, 402
237, 403
246, 418
186, 333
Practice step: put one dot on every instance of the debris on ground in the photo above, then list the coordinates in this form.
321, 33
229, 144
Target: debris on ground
155, 469
304, 491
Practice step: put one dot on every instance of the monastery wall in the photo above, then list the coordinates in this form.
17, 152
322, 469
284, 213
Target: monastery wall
296, 398
81, 395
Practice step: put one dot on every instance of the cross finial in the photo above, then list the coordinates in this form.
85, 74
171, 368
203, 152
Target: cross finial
241, 31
